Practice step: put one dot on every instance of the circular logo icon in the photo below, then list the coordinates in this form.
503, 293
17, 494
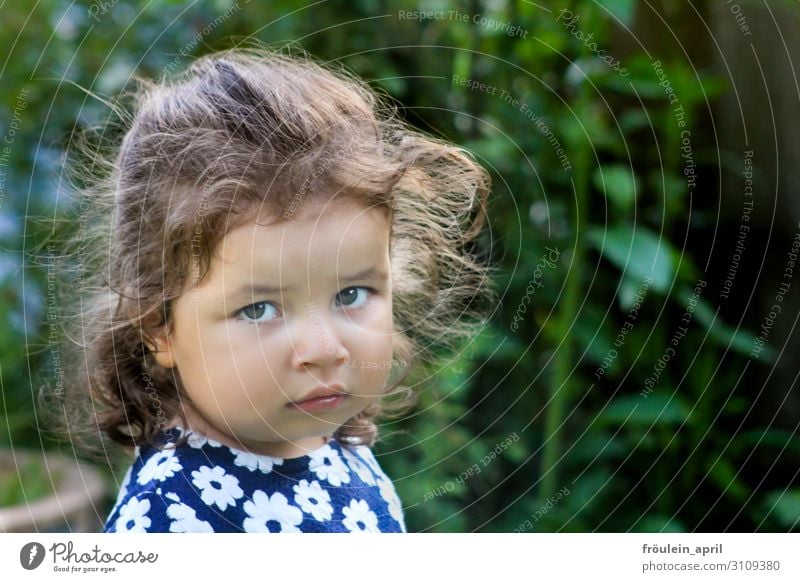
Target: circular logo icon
31, 555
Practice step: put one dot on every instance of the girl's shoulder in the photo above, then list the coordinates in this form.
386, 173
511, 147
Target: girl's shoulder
204, 485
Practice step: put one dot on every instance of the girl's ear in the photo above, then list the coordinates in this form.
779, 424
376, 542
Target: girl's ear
162, 351
157, 341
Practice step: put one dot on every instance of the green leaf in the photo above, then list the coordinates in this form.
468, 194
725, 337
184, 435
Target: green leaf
596, 447
633, 120
618, 184
723, 474
739, 340
674, 187
631, 291
589, 491
638, 252
642, 411
784, 506
622, 9
495, 343
518, 452
659, 524
768, 437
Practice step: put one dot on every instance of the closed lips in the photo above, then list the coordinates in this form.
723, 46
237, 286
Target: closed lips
323, 392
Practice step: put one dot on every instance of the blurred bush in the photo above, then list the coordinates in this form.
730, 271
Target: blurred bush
600, 212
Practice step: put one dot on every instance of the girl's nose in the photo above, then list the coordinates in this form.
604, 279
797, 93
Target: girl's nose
317, 344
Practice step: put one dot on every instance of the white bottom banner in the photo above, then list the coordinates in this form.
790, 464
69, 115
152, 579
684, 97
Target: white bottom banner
393, 557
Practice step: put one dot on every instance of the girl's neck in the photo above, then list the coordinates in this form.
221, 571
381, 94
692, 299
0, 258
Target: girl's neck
283, 449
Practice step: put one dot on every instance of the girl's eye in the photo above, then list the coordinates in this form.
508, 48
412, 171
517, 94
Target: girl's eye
255, 313
353, 296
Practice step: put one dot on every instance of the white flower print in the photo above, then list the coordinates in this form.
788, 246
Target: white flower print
369, 458
184, 518
133, 516
366, 455
359, 467
218, 488
197, 440
160, 466
255, 462
272, 510
389, 495
313, 499
359, 517
327, 465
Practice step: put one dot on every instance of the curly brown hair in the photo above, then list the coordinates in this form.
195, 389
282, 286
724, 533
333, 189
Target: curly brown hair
244, 129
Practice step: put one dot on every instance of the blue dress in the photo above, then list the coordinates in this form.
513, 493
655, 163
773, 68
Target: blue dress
206, 486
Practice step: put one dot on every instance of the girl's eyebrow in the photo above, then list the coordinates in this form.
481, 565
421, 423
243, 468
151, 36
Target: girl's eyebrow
246, 291
372, 273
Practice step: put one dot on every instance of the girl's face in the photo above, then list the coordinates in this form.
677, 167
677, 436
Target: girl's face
290, 307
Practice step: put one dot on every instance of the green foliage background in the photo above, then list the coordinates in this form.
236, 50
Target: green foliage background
593, 453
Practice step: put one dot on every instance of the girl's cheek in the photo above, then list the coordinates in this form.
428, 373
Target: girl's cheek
377, 349
378, 315
375, 338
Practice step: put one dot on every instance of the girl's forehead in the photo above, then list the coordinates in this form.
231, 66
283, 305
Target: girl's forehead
347, 244
335, 230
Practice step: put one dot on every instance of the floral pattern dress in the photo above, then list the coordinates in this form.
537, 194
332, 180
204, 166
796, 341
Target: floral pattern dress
205, 486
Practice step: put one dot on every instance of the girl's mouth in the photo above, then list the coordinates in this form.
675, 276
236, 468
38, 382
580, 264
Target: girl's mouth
319, 404
320, 399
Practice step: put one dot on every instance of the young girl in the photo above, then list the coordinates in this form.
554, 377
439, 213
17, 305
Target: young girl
268, 253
